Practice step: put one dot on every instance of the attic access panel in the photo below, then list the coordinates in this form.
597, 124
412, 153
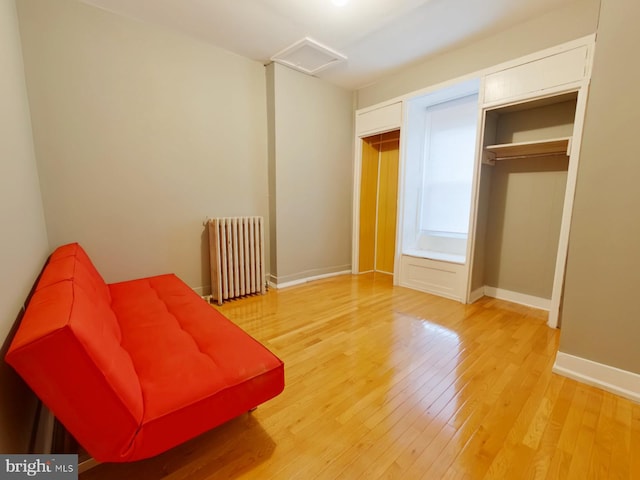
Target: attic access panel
308, 56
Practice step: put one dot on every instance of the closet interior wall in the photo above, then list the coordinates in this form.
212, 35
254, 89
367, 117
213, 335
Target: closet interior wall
521, 200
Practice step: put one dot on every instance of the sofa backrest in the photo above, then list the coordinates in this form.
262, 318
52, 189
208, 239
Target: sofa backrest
71, 262
68, 349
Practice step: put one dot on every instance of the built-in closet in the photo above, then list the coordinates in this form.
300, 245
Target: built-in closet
532, 116
523, 178
375, 199
378, 202
520, 169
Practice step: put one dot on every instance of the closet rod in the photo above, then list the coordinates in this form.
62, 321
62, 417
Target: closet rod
532, 155
380, 142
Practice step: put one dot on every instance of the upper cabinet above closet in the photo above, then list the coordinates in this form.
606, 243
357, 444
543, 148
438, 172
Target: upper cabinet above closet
536, 77
379, 119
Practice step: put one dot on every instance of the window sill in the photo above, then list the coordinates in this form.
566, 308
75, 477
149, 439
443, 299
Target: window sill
440, 256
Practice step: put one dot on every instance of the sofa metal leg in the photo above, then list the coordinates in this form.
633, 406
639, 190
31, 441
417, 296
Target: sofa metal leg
63, 442
87, 464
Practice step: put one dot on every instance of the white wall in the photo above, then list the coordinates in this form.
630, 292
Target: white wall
140, 134
23, 243
312, 171
572, 21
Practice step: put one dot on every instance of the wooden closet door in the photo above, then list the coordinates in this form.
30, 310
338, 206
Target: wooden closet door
368, 205
378, 202
387, 202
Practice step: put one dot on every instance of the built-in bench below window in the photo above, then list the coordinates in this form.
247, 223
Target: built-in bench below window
445, 246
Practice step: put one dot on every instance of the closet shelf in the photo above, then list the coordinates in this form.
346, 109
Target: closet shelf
505, 151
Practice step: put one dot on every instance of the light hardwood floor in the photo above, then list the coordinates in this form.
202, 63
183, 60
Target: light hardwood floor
386, 382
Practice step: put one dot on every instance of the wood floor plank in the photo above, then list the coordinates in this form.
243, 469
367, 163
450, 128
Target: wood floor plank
584, 443
563, 456
387, 382
634, 467
621, 452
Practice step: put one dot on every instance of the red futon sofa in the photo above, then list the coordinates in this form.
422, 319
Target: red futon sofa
132, 369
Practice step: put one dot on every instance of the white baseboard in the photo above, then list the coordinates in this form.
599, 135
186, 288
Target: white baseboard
307, 279
516, 297
200, 290
476, 295
621, 382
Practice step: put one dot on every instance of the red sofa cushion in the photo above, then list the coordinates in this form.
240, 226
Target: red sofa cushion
66, 350
196, 368
134, 368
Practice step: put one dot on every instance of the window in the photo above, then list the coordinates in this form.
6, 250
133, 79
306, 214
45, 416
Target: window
450, 141
439, 174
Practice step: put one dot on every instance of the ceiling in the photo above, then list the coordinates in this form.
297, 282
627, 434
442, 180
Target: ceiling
377, 36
